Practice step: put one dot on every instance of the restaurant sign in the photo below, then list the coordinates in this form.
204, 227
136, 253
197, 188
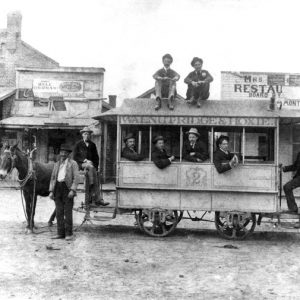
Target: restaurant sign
260, 86
44, 88
195, 120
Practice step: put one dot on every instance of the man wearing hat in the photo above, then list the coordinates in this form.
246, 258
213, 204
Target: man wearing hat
86, 155
223, 159
129, 151
198, 83
159, 154
194, 150
165, 83
63, 185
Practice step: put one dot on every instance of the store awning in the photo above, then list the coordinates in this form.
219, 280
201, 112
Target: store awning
46, 122
6, 92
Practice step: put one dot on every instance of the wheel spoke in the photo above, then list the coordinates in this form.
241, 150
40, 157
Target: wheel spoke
233, 234
243, 228
164, 229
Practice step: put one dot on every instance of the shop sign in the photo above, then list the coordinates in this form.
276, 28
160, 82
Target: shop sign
44, 88
259, 86
289, 104
195, 120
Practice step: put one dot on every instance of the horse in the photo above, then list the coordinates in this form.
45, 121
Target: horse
34, 179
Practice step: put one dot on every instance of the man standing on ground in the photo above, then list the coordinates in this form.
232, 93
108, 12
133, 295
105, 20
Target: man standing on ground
292, 184
63, 185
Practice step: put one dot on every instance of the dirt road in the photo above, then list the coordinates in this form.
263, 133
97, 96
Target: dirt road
114, 260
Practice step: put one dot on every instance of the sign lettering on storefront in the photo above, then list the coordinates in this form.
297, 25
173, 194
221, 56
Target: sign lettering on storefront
44, 88
194, 120
260, 86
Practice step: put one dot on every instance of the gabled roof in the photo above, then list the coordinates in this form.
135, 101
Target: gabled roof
39, 53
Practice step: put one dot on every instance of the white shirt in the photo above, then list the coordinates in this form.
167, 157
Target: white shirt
62, 171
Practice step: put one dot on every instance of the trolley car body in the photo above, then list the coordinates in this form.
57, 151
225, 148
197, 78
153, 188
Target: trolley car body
249, 189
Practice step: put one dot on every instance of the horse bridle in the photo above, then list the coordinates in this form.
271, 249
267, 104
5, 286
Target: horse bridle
30, 171
12, 158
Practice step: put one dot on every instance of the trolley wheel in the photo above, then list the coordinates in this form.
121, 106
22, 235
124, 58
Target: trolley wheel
157, 223
233, 225
180, 212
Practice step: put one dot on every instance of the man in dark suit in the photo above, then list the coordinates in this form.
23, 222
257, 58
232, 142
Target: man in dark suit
198, 83
159, 155
194, 150
63, 185
129, 150
292, 184
223, 159
165, 83
86, 155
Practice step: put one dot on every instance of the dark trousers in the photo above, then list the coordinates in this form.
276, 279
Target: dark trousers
288, 190
201, 92
64, 209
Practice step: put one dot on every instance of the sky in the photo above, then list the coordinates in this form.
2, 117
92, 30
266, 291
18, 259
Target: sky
129, 37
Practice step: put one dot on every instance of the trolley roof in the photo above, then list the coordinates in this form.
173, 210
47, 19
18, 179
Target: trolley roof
212, 113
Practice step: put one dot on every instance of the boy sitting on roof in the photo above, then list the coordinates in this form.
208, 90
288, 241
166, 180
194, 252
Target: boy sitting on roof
165, 83
198, 83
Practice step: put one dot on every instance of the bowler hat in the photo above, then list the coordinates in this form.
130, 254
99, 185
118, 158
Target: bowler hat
221, 139
128, 136
193, 131
167, 56
86, 129
65, 147
195, 59
158, 138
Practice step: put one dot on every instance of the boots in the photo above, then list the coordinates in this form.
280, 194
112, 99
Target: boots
95, 197
192, 100
158, 103
170, 103
199, 102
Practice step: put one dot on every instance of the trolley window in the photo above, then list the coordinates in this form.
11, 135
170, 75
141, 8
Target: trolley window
259, 145
172, 138
141, 136
204, 138
235, 135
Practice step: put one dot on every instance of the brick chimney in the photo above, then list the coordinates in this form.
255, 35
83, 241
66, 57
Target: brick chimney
112, 99
14, 24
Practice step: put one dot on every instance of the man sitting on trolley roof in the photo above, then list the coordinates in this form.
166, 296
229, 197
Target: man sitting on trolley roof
129, 150
223, 159
159, 155
194, 150
165, 83
198, 83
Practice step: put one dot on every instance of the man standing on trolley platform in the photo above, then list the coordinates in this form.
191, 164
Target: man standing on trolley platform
129, 150
165, 83
159, 155
86, 155
194, 150
292, 184
198, 83
223, 159
63, 185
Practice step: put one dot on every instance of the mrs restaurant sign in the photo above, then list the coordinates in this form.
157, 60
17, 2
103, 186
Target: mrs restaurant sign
261, 86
